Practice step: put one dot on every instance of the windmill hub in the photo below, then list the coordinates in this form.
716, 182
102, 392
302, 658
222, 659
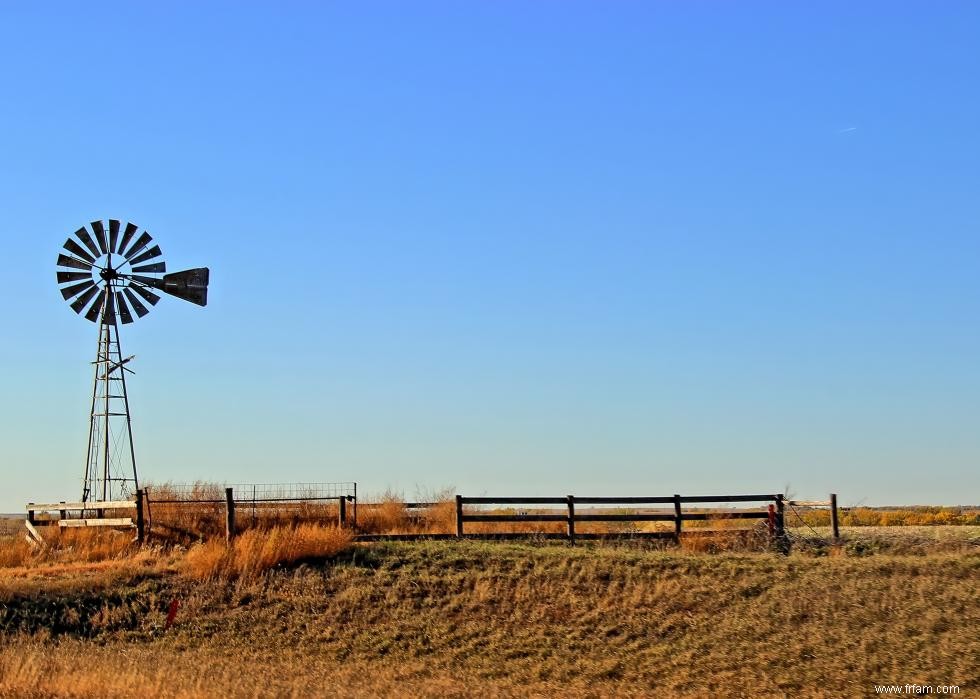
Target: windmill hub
105, 294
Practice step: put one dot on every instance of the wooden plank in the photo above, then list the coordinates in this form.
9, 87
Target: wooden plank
727, 498
104, 522
515, 501
34, 534
108, 505
515, 518
624, 501
702, 516
518, 536
624, 518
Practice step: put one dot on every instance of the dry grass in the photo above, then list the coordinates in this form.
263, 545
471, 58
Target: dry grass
75, 545
256, 551
471, 618
891, 516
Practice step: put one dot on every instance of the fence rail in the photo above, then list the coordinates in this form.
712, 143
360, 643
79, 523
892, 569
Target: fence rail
70, 515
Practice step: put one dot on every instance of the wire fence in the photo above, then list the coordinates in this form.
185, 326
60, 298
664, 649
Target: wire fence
251, 492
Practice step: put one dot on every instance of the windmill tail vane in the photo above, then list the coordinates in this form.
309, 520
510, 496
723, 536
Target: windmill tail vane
107, 276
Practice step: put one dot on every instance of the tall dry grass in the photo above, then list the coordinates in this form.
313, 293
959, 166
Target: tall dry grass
256, 551
77, 545
478, 619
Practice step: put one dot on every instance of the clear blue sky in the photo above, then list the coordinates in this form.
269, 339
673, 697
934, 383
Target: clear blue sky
511, 247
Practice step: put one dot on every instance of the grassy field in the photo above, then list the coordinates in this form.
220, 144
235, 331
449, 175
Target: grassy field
465, 618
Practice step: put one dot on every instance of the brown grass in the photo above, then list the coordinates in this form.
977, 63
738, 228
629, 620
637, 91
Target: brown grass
256, 551
472, 618
75, 545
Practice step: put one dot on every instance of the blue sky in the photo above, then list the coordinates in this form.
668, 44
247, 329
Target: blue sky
509, 247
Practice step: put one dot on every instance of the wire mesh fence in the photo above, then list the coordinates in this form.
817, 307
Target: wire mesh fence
192, 511
268, 492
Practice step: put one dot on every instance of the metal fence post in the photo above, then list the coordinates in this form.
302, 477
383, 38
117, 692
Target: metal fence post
229, 514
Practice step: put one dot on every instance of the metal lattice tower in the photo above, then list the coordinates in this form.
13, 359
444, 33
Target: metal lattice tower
107, 275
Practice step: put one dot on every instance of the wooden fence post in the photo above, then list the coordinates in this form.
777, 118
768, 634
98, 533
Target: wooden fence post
342, 510
571, 520
677, 518
459, 515
229, 514
140, 524
782, 543
834, 525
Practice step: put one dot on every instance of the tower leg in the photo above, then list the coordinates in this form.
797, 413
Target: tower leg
110, 469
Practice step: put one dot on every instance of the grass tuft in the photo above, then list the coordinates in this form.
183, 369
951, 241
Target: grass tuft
256, 551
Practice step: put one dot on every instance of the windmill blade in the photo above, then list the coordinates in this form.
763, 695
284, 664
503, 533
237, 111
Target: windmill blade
82, 301
113, 234
93, 312
148, 255
140, 243
124, 313
135, 303
77, 250
145, 293
76, 289
64, 277
100, 236
65, 261
190, 285
128, 234
86, 239
155, 268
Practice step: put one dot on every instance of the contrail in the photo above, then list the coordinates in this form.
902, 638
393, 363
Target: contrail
848, 129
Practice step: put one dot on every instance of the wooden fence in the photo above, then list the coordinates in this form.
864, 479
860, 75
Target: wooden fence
774, 513
573, 510
85, 514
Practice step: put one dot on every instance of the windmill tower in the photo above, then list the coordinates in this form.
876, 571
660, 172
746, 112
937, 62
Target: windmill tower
107, 277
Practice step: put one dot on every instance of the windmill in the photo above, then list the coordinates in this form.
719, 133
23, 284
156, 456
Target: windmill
107, 277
